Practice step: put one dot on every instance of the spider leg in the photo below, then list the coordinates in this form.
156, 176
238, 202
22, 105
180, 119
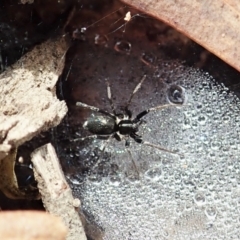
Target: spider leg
158, 147
135, 91
95, 136
84, 105
117, 137
133, 162
145, 112
127, 144
109, 95
128, 112
138, 139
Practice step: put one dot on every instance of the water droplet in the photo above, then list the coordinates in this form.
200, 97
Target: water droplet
222, 178
199, 199
199, 106
209, 111
75, 179
132, 178
94, 178
192, 137
175, 94
215, 145
115, 180
123, 46
202, 119
186, 122
226, 119
188, 205
177, 177
153, 174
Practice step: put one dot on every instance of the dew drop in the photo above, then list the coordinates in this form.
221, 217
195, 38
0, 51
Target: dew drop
226, 119
192, 137
133, 178
199, 199
123, 46
175, 94
187, 122
75, 180
188, 205
115, 180
94, 178
153, 174
209, 111
177, 178
199, 106
202, 119
215, 145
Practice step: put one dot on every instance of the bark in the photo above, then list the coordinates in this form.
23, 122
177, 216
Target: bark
33, 225
28, 105
28, 102
56, 194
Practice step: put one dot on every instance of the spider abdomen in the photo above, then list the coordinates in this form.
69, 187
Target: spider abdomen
100, 124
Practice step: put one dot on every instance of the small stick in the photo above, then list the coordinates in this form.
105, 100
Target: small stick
56, 194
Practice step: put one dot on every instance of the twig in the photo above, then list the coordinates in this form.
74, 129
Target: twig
56, 193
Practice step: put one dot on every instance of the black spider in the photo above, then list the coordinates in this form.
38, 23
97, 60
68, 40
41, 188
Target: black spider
119, 126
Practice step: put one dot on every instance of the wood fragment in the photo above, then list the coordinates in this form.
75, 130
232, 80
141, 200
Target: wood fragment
234, 4
34, 225
56, 194
28, 105
213, 24
28, 102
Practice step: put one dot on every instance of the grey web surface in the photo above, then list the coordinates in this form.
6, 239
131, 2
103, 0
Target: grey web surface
192, 197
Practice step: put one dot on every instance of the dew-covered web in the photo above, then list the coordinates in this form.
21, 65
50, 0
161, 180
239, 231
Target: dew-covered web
190, 195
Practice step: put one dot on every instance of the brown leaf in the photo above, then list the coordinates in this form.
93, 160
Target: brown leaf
213, 24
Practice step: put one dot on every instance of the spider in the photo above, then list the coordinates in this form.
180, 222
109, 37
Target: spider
119, 126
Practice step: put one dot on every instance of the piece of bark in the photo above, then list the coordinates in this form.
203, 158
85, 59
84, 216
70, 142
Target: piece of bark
213, 24
28, 102
34, 225
56, 194
234, 3
28, 105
